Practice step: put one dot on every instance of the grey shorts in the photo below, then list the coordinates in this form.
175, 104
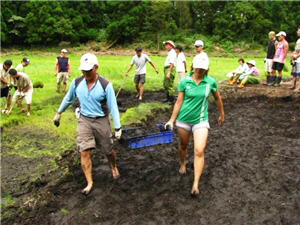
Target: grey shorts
140, 78
192, 127
94, 133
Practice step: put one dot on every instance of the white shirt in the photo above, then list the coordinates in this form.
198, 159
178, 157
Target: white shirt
171, 58
242, 68
3, 74
201, 60
298, 47
180, 63
140, 63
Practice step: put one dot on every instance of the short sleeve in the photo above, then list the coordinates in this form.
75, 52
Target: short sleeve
132, 61
173, 57
214, 86
147, 58
183, 58
181, 86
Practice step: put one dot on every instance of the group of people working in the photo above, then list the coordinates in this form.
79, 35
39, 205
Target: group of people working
16, 79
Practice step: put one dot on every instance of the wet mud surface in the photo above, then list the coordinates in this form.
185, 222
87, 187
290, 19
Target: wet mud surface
251, 175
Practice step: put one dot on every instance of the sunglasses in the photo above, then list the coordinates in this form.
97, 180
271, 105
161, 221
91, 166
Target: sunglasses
198, 46
87, 71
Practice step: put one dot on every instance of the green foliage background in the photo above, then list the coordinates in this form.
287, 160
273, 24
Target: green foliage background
47, 23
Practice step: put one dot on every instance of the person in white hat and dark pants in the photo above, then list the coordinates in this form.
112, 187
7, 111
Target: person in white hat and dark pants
190, 114
169, 72
62, 70
279, 59
97, 99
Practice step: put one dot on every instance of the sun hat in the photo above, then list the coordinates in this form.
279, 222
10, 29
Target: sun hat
252, 62
169, 42
26, 60
201, 61
281, 33
199, 43
63, 50
87, 62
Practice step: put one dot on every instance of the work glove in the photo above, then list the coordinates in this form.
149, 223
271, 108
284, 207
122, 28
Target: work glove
77, 113
169, 126
56, 119
118, 133
22, 94
11, 84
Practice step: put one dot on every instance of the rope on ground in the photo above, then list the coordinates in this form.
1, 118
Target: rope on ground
286, 156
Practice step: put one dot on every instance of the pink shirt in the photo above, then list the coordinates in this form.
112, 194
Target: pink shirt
279, 55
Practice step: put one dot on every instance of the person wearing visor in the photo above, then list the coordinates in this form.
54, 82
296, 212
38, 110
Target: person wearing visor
97, 99
62, 70
191, 115
169, 72
20, 68
279, 59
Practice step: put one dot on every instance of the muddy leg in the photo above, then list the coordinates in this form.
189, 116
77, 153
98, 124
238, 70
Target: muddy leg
20, 106
183, 148
138, 90
86, 165
112, 160
64, 88
28, 110
141, 91
294, 83
58, 88
200, 138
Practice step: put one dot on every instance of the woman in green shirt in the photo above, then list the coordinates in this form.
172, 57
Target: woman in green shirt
191, 112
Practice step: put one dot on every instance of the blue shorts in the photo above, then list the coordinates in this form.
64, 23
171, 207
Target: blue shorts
192, 127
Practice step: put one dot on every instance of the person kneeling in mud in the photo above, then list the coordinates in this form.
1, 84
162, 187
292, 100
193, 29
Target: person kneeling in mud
234, 75
191, 112
250, 76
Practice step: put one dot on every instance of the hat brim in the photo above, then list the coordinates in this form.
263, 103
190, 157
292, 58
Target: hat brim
85, 67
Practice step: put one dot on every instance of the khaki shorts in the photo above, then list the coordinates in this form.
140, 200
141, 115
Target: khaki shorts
27, 96
268, 65
62, 77
94, 133
140, 78
180, 76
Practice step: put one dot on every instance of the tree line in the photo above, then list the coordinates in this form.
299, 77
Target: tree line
48, 23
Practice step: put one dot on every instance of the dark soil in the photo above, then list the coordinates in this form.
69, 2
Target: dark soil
251, 175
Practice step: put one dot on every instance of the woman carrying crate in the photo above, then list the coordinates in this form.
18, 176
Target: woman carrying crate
191, 113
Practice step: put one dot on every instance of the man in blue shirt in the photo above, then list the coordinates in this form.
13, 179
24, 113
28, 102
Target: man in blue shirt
97, 99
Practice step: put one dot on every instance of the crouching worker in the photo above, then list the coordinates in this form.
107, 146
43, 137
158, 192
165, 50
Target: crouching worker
234, 75
97, 99
24, 90
191, 112
250, 76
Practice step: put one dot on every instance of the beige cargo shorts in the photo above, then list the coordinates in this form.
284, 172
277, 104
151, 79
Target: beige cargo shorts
62, 77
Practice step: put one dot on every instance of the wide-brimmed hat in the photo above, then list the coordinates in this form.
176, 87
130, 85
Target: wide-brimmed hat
252, 62
87, 62
169, 42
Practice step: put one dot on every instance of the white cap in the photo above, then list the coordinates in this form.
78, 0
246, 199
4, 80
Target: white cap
169, 42
63, 50
201, 61
251, 62
199, 43
281, 33
87, 62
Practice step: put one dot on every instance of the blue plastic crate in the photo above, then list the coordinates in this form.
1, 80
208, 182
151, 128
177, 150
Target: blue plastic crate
162, 137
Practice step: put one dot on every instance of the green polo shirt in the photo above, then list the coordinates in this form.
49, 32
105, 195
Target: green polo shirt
20, 68
194, 108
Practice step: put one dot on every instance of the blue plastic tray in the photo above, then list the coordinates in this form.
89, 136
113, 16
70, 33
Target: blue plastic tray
162, 137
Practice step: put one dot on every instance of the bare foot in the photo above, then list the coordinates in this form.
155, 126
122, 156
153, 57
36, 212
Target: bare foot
138, 95
87, 190
21, 111
115, 173
140, 98
28, 114
182, 170
292, 88
297, 90
195, 191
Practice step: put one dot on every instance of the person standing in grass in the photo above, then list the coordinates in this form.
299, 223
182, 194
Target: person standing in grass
25, 90
21, 68
180, 63
140, 60
279, 59
191, 115
62, 70
169, 72
97, 99
270, 55
4, 84
296, 64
